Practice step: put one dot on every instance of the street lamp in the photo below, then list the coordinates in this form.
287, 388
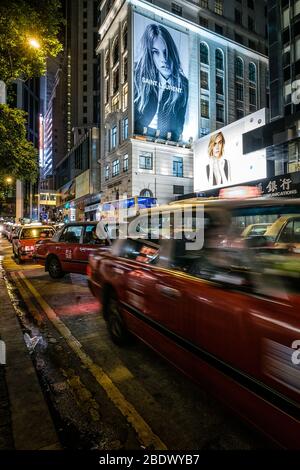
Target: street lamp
34, 43
9, 180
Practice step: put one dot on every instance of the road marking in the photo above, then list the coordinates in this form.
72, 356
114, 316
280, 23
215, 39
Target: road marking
145, 435
24, 293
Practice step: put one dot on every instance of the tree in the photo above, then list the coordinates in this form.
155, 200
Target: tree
18, 157
20, 21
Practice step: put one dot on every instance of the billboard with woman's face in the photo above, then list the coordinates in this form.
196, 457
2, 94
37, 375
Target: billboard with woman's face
161, 86
219, 159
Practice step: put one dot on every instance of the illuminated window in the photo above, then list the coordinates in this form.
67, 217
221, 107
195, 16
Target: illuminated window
116, 167
205, 108
219, 7
107, 172
252, 72
239, 67
114, 137
125, 128
178, 167
125, 162
204, 79
125, 97
146, 161
219, 59
115, 104
204, 53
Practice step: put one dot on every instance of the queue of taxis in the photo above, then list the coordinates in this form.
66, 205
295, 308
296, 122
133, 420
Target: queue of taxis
25, 237
222, 311
68, 250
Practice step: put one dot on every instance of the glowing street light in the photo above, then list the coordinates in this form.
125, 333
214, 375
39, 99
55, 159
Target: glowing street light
34, 43
8, 180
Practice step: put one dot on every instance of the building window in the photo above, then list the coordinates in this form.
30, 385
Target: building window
239, 91
107, 90
125, 97
115, 104
204, 53
204, 3
146, 193
115, 52
125, 37
252, 96
177, 9
250, 4
116, 167
219, 85
219, 59
125, 162
220, 112
106, 63
237, 16
125, 69
219, 7
178, 167
204, 131
178, 189
116, 80
107, 172
239, 67
250, 23
203, 22
239, 113
125, 128
252, 72
219, 29
146, 161
204, 79
285, 18
114, 137
205, 108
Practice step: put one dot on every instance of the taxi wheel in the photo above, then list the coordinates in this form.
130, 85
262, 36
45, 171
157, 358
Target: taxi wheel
18, 258
115, 324
54, 268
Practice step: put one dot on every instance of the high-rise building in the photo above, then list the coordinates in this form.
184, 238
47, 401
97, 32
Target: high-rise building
168, 78
281, 136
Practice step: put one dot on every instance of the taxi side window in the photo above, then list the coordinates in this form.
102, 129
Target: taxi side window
71, 234
140, 251
286, 235
90, 236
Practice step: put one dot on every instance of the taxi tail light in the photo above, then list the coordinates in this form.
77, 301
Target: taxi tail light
89, 271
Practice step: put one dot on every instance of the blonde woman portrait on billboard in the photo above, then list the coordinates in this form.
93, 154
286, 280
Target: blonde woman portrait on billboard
218, 169
160, 86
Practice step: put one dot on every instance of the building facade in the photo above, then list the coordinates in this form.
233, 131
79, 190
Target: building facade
149, 119
281, 136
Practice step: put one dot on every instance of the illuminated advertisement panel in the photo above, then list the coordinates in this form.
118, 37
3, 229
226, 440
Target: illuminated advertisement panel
219, 159
161, 84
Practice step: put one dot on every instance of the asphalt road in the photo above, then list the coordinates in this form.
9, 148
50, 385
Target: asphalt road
105, 397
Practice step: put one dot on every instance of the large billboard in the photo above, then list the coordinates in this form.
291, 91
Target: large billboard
161, 83
219, 159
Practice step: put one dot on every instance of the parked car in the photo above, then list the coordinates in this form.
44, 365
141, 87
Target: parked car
214, 312
26, 238
68, 250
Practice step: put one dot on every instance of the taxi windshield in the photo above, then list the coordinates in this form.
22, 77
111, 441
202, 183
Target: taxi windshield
37, 232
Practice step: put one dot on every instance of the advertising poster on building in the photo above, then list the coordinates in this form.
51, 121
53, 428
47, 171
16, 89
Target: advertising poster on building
161, 83
219, 159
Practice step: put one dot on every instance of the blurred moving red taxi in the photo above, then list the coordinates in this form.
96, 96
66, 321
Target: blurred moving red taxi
68, 250
26, 237
220, 314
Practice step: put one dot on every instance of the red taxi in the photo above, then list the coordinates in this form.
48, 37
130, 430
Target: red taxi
217, 313
69, 249
26, 237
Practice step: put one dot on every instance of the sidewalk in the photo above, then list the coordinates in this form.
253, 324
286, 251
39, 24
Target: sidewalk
25, 421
